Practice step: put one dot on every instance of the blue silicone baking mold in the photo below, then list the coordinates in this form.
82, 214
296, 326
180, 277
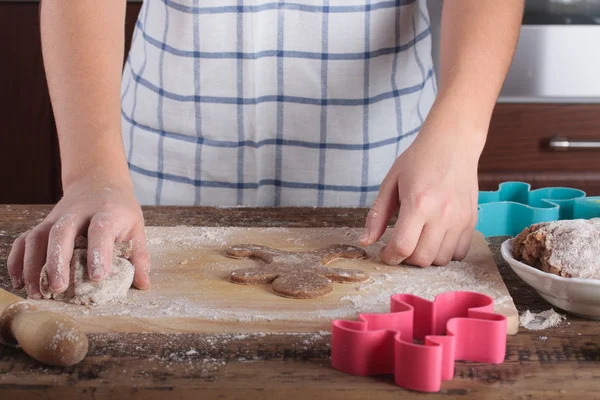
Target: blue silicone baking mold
514, 207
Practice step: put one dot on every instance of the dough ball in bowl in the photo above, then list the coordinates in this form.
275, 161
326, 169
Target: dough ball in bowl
568, 248
561, 261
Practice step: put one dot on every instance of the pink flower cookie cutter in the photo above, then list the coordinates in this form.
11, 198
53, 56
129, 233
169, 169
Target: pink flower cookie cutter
455, 326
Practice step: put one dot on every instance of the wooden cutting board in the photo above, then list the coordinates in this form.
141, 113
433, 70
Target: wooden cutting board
191, 290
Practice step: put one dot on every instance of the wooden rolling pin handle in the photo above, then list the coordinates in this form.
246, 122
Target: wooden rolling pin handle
50, 338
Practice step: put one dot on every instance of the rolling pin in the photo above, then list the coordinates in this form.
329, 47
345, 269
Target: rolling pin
48, 337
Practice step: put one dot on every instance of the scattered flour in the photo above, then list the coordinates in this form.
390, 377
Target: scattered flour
375, 294
64, 334
179, 245
544, 320
183, 238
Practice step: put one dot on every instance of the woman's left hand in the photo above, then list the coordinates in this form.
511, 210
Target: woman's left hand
433, 186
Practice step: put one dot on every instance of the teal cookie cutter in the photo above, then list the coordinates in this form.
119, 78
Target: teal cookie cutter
514, 207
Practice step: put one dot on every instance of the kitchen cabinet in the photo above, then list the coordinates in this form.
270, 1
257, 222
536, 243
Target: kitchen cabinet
28, 172
518, 146
30, 166
30, 162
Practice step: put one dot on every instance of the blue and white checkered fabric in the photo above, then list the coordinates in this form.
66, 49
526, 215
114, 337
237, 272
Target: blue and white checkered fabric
262, 102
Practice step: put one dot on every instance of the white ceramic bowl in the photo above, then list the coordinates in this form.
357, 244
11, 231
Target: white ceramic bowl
575, 295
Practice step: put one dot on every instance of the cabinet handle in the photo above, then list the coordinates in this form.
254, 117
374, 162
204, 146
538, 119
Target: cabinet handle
560, 143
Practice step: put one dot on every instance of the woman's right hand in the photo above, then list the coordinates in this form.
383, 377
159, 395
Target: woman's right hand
83, 46
101, 209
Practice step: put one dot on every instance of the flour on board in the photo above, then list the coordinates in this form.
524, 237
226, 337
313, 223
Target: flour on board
372, 295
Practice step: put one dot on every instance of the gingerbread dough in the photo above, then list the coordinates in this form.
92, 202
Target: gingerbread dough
81, 289
568, 248
298, 275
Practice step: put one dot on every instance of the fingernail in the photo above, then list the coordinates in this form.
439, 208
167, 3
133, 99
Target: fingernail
57, 284
393, 260
17, 282
33, 292
364, 238
97, 272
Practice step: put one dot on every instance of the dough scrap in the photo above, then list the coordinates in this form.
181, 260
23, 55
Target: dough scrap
298, 275
568, 248
81, 289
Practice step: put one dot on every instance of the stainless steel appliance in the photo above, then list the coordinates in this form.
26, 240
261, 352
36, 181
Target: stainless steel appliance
558, 55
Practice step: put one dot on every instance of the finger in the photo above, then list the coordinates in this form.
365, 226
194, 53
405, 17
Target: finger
464, 244
428, 246
14, 262
140, 258
60, 251
101, 242
36, 245
447, 248
405, 237
384, 207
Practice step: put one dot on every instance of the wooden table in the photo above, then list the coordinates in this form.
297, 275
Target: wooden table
562, 362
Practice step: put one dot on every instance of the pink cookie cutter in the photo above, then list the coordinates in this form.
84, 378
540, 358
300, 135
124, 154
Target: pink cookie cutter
455, 326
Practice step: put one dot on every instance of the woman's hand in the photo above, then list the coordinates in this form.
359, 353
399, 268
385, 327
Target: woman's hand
434, 182
434, 186
104, 212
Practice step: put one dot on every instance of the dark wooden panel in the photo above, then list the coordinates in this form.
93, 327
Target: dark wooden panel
518, 137
27, 136
133, 9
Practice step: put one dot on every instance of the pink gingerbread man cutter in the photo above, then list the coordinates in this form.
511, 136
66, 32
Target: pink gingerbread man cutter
455, 326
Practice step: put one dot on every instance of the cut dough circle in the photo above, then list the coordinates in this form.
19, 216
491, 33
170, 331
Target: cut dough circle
81, 289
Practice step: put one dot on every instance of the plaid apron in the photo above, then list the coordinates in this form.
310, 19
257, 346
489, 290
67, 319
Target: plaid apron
285, 103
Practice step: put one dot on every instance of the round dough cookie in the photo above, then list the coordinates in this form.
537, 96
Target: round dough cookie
81, 289
568, 248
